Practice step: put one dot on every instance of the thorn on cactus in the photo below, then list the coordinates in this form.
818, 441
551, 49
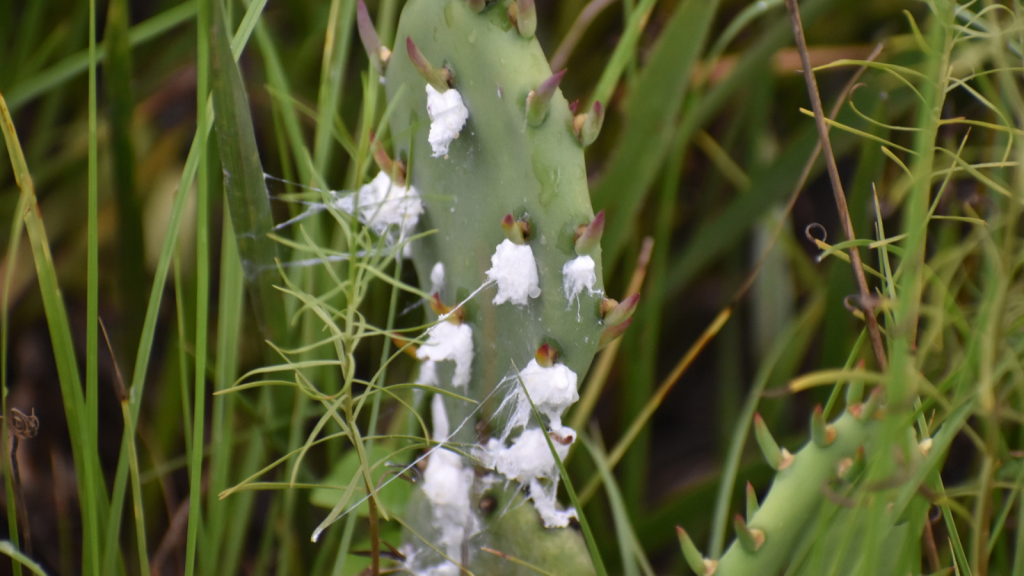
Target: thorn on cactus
377, 53
546, 355
516, 231
393, 168
539, 101
612, 333
822, 433
750, 538
523, 15
621, 312
476, 5
588, 126
440, 79
777, 458
752, 504
694, 559
588, 236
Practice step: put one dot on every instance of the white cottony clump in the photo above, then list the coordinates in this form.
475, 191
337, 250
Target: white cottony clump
437, 278
447, 117
578, 274
450, 342
552, 390
447, 484
515, 270
529, 461
428, 373
385, 207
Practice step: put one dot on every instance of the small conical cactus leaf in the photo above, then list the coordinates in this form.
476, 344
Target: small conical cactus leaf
589, 237
777, 458
822, 433
750, 538
622, 311
752, 504
539, 100
700, 565
588, 126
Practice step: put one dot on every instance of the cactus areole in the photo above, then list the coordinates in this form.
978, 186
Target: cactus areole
473, 168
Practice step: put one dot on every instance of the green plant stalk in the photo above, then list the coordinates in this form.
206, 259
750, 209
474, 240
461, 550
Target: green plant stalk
57, 320
13, 245
793, 500
195, 519
167, 252
91, 429
131, 267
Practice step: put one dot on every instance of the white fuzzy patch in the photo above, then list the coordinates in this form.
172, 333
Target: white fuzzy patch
437, 278
385, 207
515, 270
450, 342
529, 461
447, 117
578, 274
428, 373
447, 485
551, 389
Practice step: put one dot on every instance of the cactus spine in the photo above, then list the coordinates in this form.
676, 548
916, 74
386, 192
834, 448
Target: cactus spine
495, 152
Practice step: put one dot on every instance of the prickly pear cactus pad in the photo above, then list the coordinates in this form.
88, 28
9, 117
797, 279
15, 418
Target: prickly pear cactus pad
491, 145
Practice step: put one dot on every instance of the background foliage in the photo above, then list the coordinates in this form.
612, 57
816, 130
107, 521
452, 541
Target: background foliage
115, 207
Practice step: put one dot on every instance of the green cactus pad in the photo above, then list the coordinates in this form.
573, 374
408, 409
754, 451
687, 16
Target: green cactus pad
498, 165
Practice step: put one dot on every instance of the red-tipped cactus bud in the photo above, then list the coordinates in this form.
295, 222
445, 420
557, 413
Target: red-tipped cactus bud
694, 559
517, 231
438, 78
612, 333
526, 17
546, 355
393, 168
588, 126
622, 312
539, 101
777, 458
752, 504
441, 309
377, 53
822, 433
588, 236
750, 538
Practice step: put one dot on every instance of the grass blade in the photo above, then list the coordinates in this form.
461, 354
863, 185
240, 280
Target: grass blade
245, 188
658, 95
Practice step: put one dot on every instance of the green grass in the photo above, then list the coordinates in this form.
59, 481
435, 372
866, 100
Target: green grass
254, 379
